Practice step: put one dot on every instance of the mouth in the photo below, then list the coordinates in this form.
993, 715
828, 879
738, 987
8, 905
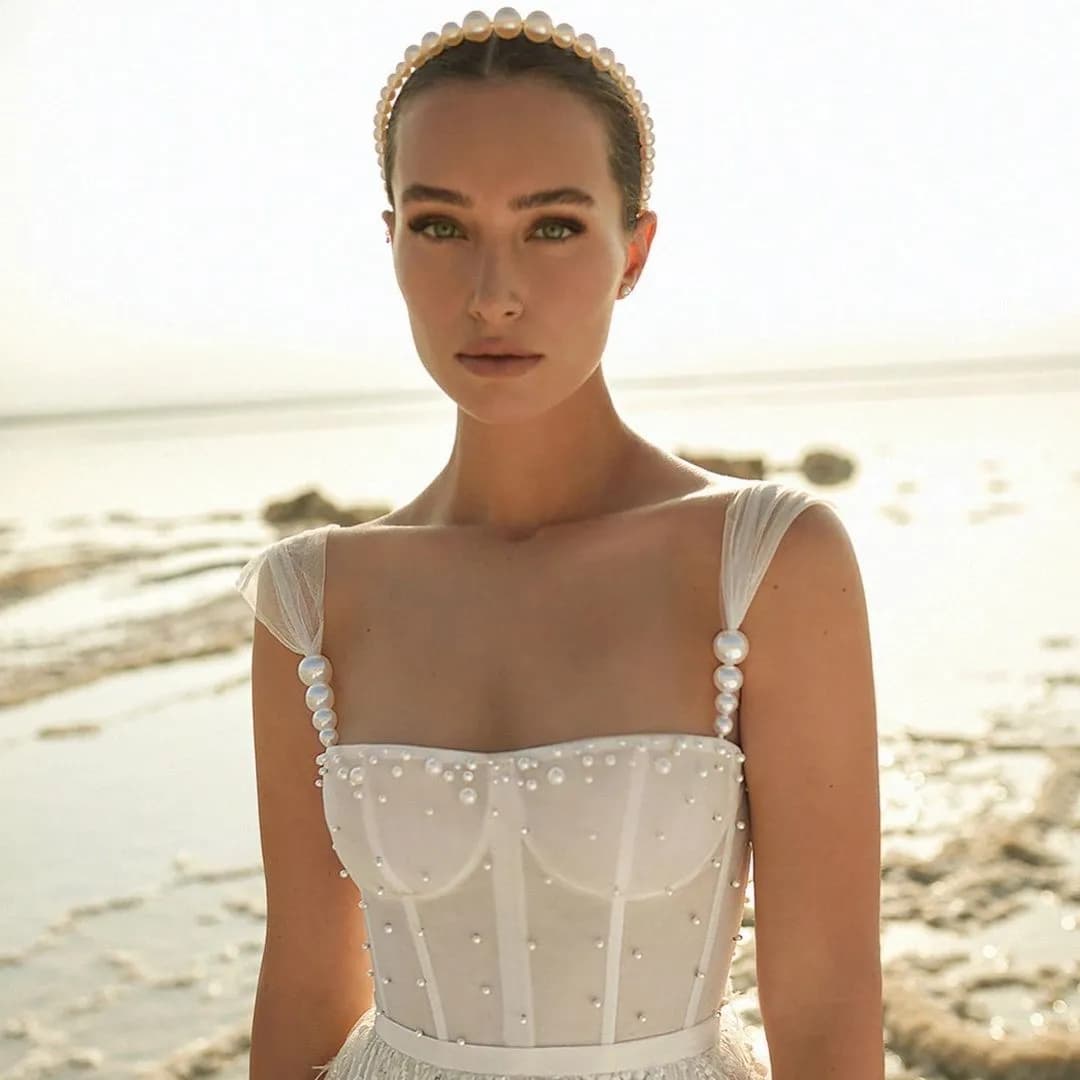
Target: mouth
499, 356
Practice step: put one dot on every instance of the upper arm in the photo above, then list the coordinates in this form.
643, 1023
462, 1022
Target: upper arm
314, 926
809, 732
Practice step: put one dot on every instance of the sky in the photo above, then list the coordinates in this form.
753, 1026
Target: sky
190, 199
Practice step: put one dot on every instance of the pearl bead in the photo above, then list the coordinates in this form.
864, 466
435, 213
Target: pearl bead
448, 775
723, 726
388, 928
356, 774
537, 26
319, 695
662, 765
396, 771
429, 810
599, 942
381, 797
314, 669
726, 704
421, 982
531, 784
731, 646
596, 1001
485, 989
728, 678
555, 775
610, 759
378, 860
343, 873
587, 760
636, 954
486, 864
433, 766
467, 795
328, 736
696, 920
532, 944
476, 939
358, 793
660, 836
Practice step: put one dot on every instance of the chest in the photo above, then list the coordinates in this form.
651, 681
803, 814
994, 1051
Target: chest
439, 640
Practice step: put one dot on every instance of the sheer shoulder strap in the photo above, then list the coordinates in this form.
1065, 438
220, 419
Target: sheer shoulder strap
757, 518
283, 585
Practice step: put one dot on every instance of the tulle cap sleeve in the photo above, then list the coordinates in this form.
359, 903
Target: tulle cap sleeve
283, 585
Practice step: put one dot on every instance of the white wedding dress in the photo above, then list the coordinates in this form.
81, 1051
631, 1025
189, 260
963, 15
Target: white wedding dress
564, 910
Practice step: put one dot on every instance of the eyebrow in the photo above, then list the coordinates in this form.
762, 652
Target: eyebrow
427, 193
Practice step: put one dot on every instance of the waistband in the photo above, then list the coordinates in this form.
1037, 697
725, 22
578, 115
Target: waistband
643, 1053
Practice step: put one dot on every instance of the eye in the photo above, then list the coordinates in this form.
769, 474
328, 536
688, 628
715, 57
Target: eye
574, 227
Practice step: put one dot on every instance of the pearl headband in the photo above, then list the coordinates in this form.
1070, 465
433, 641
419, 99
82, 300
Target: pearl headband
537, 27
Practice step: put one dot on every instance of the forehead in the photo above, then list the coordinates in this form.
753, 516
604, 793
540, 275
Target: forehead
518, 133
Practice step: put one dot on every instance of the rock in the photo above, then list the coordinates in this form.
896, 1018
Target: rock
752, 468
311, 507
826, 467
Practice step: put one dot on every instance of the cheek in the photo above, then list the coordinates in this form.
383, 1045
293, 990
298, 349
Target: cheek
581, 281
422, 281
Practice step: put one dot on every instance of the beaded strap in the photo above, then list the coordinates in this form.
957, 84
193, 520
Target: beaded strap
537, 27
730, 647
315, 672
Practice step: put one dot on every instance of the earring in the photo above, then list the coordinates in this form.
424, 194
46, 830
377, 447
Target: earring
388, 237
625, 290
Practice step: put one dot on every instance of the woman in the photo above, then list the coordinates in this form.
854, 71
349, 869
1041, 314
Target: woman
537, 756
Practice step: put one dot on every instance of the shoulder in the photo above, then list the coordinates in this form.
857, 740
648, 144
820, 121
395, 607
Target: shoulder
810, 523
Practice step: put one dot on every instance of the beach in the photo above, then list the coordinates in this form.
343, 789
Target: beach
130, 875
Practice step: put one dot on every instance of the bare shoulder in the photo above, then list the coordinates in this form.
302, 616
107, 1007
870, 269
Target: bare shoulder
809, 731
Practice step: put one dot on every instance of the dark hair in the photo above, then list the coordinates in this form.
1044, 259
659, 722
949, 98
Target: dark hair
475, 61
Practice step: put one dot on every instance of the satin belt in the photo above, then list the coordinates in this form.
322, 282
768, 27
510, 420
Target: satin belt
550, 1060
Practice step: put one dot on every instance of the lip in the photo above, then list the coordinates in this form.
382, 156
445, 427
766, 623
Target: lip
495, 354
492, 366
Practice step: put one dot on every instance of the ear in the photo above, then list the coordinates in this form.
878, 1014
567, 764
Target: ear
388, 217
637, 253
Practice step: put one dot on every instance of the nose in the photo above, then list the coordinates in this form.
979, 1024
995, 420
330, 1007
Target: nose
494, 296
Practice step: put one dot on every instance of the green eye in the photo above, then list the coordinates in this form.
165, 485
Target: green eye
571, 226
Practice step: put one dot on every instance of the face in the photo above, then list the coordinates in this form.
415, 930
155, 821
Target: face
543, 277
